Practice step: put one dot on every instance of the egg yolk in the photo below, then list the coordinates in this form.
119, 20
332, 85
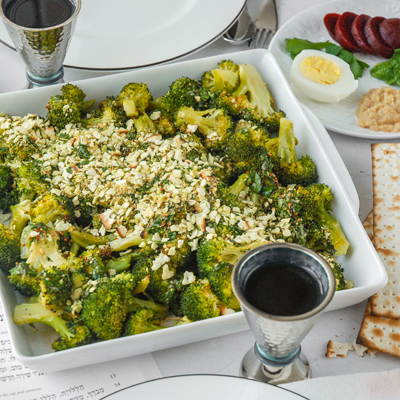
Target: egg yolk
320, 70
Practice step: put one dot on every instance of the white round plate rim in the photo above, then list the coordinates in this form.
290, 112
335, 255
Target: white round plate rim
110, 39
337, 117
213, 387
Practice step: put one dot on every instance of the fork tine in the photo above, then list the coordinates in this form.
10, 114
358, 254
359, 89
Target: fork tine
268, 38
260, 39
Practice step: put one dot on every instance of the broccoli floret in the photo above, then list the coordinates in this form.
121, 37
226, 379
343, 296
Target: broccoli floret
51, 207
20, 216
40, 246
239, 108
198, 301
246, 149
341, 281
24, 279
30, 181
214, 125
55, 287
225, 78
134, 98
106, 307
8, 194
252, 85
62, 112
9, 249
109, 111
140, 322
144, 125
68, 107
290, 169
324, 217
164, 286
163, 123
76, 95
185, 92
81, 337
215, 259
182, 93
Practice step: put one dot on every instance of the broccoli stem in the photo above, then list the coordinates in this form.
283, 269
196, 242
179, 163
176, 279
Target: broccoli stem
125, 243
85, 239
239, 185
74, 248
338, 238
138, 304
287, 142
120, 264
19, 217
30, 313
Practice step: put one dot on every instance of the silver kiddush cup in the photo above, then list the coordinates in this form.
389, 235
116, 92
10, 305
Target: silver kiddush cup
42, 49
276, 357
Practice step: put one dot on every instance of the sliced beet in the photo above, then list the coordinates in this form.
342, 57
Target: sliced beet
375, 40
357, 31
390, 32
330, 23
343, 32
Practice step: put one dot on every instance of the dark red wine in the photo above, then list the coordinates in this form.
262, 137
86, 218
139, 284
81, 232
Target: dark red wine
282, 290
39, 13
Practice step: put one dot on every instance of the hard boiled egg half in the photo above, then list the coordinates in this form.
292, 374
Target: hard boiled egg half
322, 76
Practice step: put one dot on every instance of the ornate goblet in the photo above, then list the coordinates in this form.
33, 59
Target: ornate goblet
282, 289
41, 31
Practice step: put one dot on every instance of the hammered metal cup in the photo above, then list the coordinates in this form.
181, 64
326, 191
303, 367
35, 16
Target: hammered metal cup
276, 357
42, 49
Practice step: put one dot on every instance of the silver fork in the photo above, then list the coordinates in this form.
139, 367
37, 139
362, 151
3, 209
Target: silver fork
266, 24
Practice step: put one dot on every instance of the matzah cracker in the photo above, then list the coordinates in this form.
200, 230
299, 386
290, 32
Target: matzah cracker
368, 225
381, 334
337, 349
386, 225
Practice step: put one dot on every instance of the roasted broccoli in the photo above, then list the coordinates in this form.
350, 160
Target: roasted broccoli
81, 336
290, 169
214, 125
25, 279
134, 98
51, 207
216, 259
40, 247
9, 248
325, 218
68, 107
8, 193
141, 321
109, 112
225, 78
106, 307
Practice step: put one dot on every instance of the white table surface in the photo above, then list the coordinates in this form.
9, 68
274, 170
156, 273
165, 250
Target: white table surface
223, 355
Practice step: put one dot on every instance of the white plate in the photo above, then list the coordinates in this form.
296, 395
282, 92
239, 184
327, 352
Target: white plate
127, 34
361, 264
339, 117
200, 387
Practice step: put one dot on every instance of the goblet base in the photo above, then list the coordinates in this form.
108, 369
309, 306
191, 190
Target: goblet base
252, 368
38, 81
